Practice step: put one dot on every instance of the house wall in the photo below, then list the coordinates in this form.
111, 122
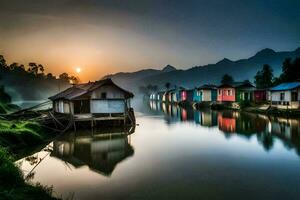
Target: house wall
206, 95
183, 95
275, 95
107, 106
286, 103
197, 97
112, 92
260, 95
241, 95
223, 94
62, 106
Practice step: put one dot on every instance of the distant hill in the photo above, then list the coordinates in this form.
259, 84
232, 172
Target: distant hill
240, 70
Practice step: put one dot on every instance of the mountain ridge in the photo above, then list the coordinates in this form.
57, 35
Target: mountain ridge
240, 69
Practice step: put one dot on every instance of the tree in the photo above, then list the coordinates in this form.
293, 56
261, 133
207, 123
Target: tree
265, 77
3, 65
64, 76
227, 79
290, 70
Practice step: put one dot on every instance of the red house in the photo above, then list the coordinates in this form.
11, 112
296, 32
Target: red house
235, 92
260, 95
226, 92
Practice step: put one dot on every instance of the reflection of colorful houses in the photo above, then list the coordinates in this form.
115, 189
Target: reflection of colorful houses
206, 118
226, 124
235, 92
286, 96
101, 154
205, 93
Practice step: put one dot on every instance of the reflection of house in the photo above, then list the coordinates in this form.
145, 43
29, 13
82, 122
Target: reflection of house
286, 96
226, 123
206, 118
235, 92
101, 154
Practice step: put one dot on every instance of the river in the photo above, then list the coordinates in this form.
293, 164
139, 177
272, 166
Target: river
175, 153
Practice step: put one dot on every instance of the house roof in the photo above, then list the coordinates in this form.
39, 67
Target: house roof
286, 86
207, 87
237, 85
78, 90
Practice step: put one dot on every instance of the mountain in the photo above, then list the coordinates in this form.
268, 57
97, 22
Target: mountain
208, 74
168, 68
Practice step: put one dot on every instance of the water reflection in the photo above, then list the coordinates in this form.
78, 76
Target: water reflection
242, 124
101, 150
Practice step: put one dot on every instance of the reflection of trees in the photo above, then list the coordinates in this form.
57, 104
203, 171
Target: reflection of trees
266, 140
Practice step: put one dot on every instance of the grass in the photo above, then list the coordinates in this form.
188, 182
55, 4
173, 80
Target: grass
12, 184
20, 133
16, 135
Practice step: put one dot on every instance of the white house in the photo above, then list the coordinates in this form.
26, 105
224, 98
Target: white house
286, 96
100, 97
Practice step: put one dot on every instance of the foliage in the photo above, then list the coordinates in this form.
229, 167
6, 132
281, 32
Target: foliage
290, 70
264, 78
227, 79
12, 184
20, 133
30, 81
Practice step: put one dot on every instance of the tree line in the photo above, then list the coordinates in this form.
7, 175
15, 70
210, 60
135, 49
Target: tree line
30, 82
265, 78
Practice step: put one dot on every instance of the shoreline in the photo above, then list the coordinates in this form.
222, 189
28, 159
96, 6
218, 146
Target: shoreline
19, 138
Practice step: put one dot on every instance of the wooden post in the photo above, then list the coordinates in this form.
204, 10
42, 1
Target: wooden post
74, 125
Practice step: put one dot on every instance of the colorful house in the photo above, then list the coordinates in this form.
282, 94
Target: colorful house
205, 93
235, 92
286, 96
159, 96
153, 96
260, 95
182, 94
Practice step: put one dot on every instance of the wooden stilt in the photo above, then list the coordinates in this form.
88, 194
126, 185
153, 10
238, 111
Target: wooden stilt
74, 125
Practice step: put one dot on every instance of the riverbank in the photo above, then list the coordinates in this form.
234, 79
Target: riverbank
16, 137
262, 108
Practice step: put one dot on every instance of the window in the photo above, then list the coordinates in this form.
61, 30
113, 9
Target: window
282, 96
294, 96
229, 93
103, 95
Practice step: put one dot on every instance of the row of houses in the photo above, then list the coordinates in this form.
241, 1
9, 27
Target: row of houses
284, 96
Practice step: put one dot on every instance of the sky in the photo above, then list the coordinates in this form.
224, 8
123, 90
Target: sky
108, 36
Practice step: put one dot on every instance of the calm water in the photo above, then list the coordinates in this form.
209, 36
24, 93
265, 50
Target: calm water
175, 153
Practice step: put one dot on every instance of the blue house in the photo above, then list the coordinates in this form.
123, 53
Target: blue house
205, 93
